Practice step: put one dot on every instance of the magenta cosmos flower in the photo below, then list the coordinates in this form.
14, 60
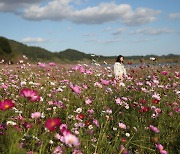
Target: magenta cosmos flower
52, 123
6, 104
32, 95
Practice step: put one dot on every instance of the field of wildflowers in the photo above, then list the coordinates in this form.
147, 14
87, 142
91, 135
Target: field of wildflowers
49, 108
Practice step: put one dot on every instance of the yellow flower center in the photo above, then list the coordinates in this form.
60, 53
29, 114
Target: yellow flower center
70, 141
6, 106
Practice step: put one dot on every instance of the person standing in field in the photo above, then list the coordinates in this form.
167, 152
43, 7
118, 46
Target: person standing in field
119, 70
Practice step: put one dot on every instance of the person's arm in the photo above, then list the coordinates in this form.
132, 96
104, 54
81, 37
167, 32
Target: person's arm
125, 73
115, 69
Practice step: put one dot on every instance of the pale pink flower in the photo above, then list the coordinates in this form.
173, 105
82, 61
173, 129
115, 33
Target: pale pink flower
35, 115
119, 101
76, 67
77, 151
97, 84
41, 64
58, 150
71, 140
57, 136
156, 96
91, 111
88, 101
158, 110
121, 125
5, 86
154, 129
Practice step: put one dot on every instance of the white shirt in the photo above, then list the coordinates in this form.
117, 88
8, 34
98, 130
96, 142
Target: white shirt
119, 69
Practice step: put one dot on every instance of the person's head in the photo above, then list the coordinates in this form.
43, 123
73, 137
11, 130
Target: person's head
120, 59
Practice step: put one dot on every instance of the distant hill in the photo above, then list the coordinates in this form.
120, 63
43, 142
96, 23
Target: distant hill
13, 51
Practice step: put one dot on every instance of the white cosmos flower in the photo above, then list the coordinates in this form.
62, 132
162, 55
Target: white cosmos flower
78, 110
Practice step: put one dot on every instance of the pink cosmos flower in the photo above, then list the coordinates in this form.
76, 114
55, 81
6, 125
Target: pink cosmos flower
96, 122
88, 101
6, 104
68, 138
63, 128
76, 89
82, 69
97, 84
123, 150
89, 72
59, 104
158, 110
5, 86
91, 111
154, 129
161, 149
35, 115
77, 151
30, 94
105, 82
52, 123
52, 64
71, 140
121, 125
58, 150
156, 96
164, 72
76, 67
119, 101
43, 65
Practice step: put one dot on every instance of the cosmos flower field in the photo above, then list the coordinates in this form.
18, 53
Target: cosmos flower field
53, 108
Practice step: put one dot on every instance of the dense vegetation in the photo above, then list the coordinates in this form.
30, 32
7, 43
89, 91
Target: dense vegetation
57, 109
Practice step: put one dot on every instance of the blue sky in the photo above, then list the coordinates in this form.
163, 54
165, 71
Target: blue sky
102, 27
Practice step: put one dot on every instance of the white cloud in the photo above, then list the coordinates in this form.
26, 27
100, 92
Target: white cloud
174, 16
114, 40
14, 5
106, 29
58, 10
33, 40
152, 31
119, 31
94, 40
141, 40
88, 34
